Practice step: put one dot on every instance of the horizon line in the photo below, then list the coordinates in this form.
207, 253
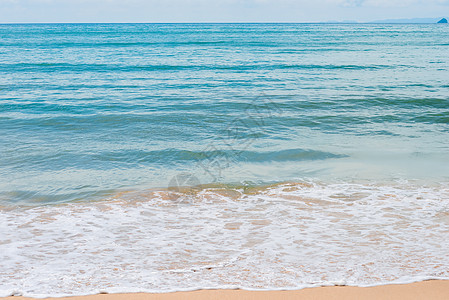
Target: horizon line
321, 22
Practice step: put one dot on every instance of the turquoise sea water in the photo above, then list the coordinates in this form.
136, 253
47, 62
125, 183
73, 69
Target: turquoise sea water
86, 109
346, 126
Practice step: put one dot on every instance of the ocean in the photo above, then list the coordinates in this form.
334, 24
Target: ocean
173, 157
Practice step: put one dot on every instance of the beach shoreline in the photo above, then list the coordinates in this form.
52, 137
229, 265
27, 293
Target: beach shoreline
430, 289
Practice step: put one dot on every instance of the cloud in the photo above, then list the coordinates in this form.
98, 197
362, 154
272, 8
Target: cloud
389, 3
214, 10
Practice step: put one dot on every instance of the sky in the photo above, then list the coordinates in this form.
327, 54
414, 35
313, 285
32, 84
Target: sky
49, 11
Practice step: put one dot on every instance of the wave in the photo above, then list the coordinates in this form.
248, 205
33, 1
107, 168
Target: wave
56, 160
46, 67
284, 236
433, 118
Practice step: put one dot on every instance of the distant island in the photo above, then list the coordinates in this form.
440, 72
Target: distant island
397, 21
411, 21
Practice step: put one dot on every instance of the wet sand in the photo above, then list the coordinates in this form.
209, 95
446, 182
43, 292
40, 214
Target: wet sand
429, 290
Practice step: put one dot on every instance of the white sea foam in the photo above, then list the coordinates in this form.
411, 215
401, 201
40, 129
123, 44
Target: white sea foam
287, 236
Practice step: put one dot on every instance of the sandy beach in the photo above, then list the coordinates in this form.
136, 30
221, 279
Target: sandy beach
433, 289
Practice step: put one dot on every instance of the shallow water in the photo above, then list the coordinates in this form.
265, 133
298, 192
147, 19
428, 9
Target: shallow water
285, 236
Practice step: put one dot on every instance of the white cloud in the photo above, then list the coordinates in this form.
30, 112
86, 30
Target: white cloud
214, 10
